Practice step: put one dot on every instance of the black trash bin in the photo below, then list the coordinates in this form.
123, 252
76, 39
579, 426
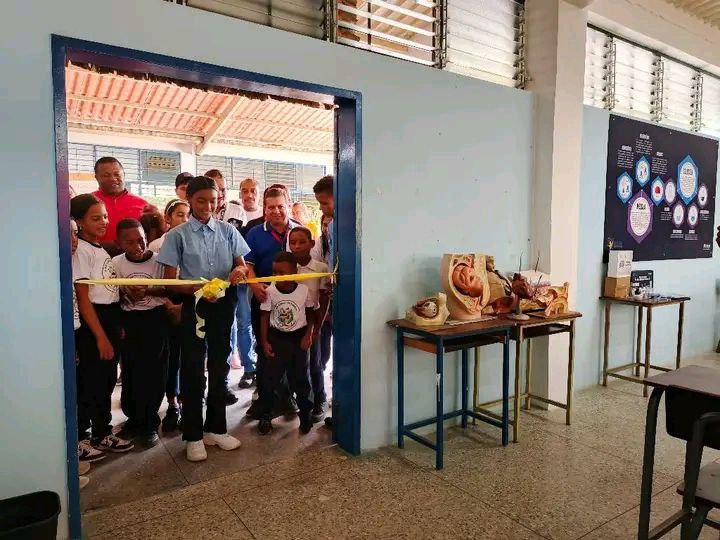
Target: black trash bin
30, 517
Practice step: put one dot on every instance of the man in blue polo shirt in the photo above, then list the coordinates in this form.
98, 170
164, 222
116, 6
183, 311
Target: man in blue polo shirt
265, 241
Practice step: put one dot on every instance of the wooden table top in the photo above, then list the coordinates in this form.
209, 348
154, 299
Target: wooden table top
646, 303
700, 379
455, 330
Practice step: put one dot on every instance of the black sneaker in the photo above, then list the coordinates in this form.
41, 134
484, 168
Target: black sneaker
171, 420
265, 426
306, 424
230, 398
148, 440
318, 412
252, 412
247, 380
127, 431
112, 443
328, 421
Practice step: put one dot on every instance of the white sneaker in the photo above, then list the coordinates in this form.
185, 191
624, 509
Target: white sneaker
84, 481
224, 441
195, 451
83, 467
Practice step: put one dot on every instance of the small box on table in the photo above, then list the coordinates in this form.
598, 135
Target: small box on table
617, 287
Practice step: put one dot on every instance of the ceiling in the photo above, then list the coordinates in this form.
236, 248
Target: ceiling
706, 10
111, 102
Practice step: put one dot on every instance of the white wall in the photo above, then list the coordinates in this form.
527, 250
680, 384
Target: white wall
446, 167
696, 278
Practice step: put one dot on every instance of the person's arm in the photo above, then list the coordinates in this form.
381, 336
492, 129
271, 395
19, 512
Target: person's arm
322, 312
258, 289
308, 336
264, 328
239, 272
89, 315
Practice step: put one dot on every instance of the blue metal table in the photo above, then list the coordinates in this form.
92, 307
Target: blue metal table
438, 340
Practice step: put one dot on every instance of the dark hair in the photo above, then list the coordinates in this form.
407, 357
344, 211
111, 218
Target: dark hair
213, 173
182, 179
107, 159
324, 185
302, 230
285, 257
276, 192
126, 224
80, 204
150, 220
199, 183
172, 203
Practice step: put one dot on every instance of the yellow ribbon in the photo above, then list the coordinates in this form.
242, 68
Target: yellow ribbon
214, 288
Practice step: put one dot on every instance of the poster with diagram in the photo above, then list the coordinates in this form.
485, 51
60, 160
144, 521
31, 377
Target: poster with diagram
660, 191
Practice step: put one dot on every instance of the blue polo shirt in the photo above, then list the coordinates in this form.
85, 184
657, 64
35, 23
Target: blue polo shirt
203, 250
265, 243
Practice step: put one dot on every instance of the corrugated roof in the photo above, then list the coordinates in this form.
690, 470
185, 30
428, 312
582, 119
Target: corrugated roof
127, 104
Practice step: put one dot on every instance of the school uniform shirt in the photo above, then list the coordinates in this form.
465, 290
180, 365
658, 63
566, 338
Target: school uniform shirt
203, 250
317, 251
315, 285
91, 261
151, 268
265, 242
287, 310
254, 214
235, 215
156, 244
76, 311
119, 207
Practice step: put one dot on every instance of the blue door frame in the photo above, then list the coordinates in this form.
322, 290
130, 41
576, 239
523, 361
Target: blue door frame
346, 376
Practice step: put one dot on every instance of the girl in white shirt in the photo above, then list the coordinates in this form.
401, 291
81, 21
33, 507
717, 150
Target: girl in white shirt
98, 338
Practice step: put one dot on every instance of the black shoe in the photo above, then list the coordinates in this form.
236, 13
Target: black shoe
148, 440
265, 426
306, 424
230, 398
252, 412
328, 421
171, 420
247, 380
128, 431
318, 412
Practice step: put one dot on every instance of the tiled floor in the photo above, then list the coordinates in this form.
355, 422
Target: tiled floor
563, 482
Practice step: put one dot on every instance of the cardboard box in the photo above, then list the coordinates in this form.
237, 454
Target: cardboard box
617, 287
619, 263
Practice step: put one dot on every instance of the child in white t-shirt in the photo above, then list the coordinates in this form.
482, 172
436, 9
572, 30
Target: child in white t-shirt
145, 347
301, 243
98, 339
286, 325
177, 212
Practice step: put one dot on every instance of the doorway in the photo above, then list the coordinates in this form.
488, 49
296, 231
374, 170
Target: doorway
346, 376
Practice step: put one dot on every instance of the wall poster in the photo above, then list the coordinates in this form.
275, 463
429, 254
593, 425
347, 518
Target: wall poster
660, 196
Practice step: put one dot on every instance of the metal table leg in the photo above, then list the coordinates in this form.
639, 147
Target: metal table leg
516, 401
648, 346
439, 425
476, 383
401, 387
681, 320
464, 382
570, 375
648, 463
505, 392
606, 344
528, 375
638, 348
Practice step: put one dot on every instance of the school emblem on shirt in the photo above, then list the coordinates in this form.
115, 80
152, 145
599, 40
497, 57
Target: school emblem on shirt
108, 272
285, 315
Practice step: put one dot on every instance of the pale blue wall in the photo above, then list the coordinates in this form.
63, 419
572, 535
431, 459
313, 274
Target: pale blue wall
695, 278
446, 167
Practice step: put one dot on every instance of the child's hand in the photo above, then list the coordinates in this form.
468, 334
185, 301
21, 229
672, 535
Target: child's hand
259, 291
306, 341
105, 349
268, 350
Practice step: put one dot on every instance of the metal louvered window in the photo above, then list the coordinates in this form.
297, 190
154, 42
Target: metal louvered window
298, 177
485, 40
298, 16
632, 79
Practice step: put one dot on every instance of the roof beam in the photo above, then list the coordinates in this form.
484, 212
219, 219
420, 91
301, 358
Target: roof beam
220, 122
143, 106
277, 145
112, 126
77, 127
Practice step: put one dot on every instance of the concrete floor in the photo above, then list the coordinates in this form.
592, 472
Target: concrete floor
564, 482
